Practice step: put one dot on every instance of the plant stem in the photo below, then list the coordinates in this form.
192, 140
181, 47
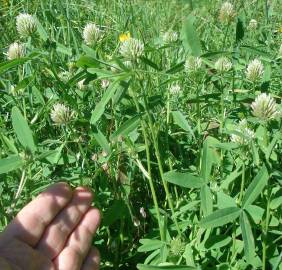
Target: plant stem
242, 183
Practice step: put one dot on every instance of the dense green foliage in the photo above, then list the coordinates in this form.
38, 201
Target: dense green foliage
185, 168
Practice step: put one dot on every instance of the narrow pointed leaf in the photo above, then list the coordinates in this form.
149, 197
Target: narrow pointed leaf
10, 163
186, 180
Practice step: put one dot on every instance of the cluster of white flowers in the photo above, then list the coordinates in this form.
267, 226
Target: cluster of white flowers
253, 24
132, 48
254, 70
193, 64
246, 134
64, 76
26, 24
265, 107
227, 12
15, 51
61, 114
105, 84
223, 64
170, 36
91, 34
174, 89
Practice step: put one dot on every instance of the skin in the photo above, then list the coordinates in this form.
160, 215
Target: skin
53, 232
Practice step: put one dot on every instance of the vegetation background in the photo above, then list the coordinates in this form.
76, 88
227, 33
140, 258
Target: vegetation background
185, 166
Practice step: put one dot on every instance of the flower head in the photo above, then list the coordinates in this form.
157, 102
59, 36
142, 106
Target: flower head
124, 36
143, 212
265, 107
246, 133
227, 12
177, 247
81, 86
223, 64
105, 84
26, 24
170, 36
174, 89
61, 114
132, 48
15, 51
254, 70
253, 24
193, 64
91, 34
64, 76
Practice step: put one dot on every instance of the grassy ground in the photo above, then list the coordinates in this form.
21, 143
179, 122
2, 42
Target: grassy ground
185, 167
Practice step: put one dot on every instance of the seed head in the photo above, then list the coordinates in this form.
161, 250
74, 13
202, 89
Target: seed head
265, 107
227, 12
247, 133
61, 114
193, 64
132, 48
253, 24
254, 70
26, 24
15, 51
223, 64
170, 37
91, 34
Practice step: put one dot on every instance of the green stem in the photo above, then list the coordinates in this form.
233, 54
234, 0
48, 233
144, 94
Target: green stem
242, 183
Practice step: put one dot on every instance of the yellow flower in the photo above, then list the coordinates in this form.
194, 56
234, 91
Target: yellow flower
124, 36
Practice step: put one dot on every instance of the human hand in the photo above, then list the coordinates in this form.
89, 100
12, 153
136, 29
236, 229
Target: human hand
52, 232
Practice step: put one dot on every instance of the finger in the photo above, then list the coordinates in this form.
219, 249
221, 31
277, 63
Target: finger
79, 242
56, 234
32, 220
92, 261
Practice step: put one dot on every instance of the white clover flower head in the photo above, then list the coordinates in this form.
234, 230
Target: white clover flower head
192, 64
26, 24
61, 114
81, 86
105, 83
128, 64
254, 70
253, 24
223, 64
132, 48
174, 89
247, 133
170, 36
15, 51
143, 212
265, 107
64, 76
91, 34
227, 12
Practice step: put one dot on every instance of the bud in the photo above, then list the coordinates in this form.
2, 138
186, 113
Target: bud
227, 12
26, 25
132, 48
193, 64
91, 34
61, 114
170, 37
177, 247
253, 24
247, 134
254, 70
265, 107
15, 51
223, 64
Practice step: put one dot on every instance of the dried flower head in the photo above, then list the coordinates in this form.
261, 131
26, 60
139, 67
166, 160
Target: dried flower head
26, 24
265, 107
132, 48
253, 24
91, 34
61, 114
223, 64
227, 12
254, 70
174, 89
246, 134
15, 51
193, 64
170, 36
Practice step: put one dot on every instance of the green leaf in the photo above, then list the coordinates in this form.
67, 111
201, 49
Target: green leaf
41, 31
191, 39
150, 245
172, 267
22, 130
223, 200
87, 61
239, 30
118, 210
247, 234
127, 127
256, 187
220, 217
149, 63
181, 121
5, 66
102, 140
217, 241
10, 163
24, 83
206, 200
186, 180
100, 107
